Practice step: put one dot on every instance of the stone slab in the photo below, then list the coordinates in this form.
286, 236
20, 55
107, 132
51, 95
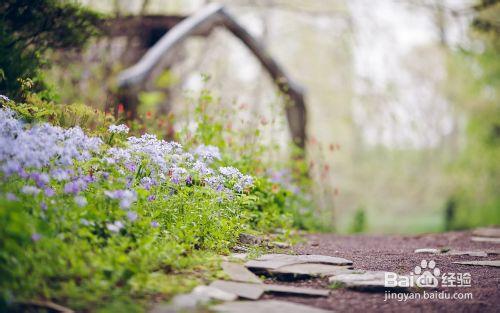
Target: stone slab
265, 306
312, 269
373, 281
296, 290
485, 239
494, 263
238, 272
428, 250
274, 261
487, 232
243, 290
469, 253
215, 293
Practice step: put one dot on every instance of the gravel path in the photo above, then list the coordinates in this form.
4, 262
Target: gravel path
396, 254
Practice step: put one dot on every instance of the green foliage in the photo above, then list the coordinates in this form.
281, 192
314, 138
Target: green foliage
476, 200
359, 221
28, 29
75, 259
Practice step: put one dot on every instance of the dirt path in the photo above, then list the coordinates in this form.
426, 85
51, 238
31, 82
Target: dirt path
396, 254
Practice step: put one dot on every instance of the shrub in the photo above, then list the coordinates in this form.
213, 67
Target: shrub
28, 29
104, 220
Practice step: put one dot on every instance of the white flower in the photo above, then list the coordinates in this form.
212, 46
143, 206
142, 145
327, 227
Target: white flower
118, 129
114, 227
30, 190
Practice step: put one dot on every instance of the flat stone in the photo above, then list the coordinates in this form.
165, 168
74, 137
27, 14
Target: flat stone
274, 261
184, 301
243, 290
364, 281
312, 269
314, 258
296, 290
469, 253
214, 293
485, 239
265, 306
492, 251
238, 272
487, 232
428, 250
495, 263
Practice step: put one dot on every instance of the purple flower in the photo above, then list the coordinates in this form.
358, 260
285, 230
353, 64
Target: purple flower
30, 190
81, 201
154, 224
60, 174
147, 182
41, 179
132, 216
189, 181
11, 197
126, 197
35, 237
130, 166
43, 205
114, 227
49, 192
76, 186
207, 153
151, 198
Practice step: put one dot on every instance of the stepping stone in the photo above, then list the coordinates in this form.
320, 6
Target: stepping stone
265, 306
274, 261
296, 290
243, 290
238, 272
469, 253
493, 251
485, 239
428, 250
364, 281
452, 252
215, 293
183, 301
200, 295
314, 258
495, 263
312, 269
487, 232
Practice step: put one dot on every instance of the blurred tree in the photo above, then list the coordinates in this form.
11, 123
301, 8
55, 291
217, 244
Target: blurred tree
477, 172
30, 28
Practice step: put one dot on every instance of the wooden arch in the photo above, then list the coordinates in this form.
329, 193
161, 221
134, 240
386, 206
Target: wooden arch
203, 22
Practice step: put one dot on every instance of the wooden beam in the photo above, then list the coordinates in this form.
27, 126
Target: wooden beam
202, 22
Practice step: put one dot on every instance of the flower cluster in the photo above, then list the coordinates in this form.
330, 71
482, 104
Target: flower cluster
118, 129
168, 161
40, 146
46, 158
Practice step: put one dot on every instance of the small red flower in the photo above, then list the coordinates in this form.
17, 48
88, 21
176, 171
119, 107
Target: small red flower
121, 108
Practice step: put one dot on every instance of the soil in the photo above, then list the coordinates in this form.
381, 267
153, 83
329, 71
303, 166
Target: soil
396, 254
